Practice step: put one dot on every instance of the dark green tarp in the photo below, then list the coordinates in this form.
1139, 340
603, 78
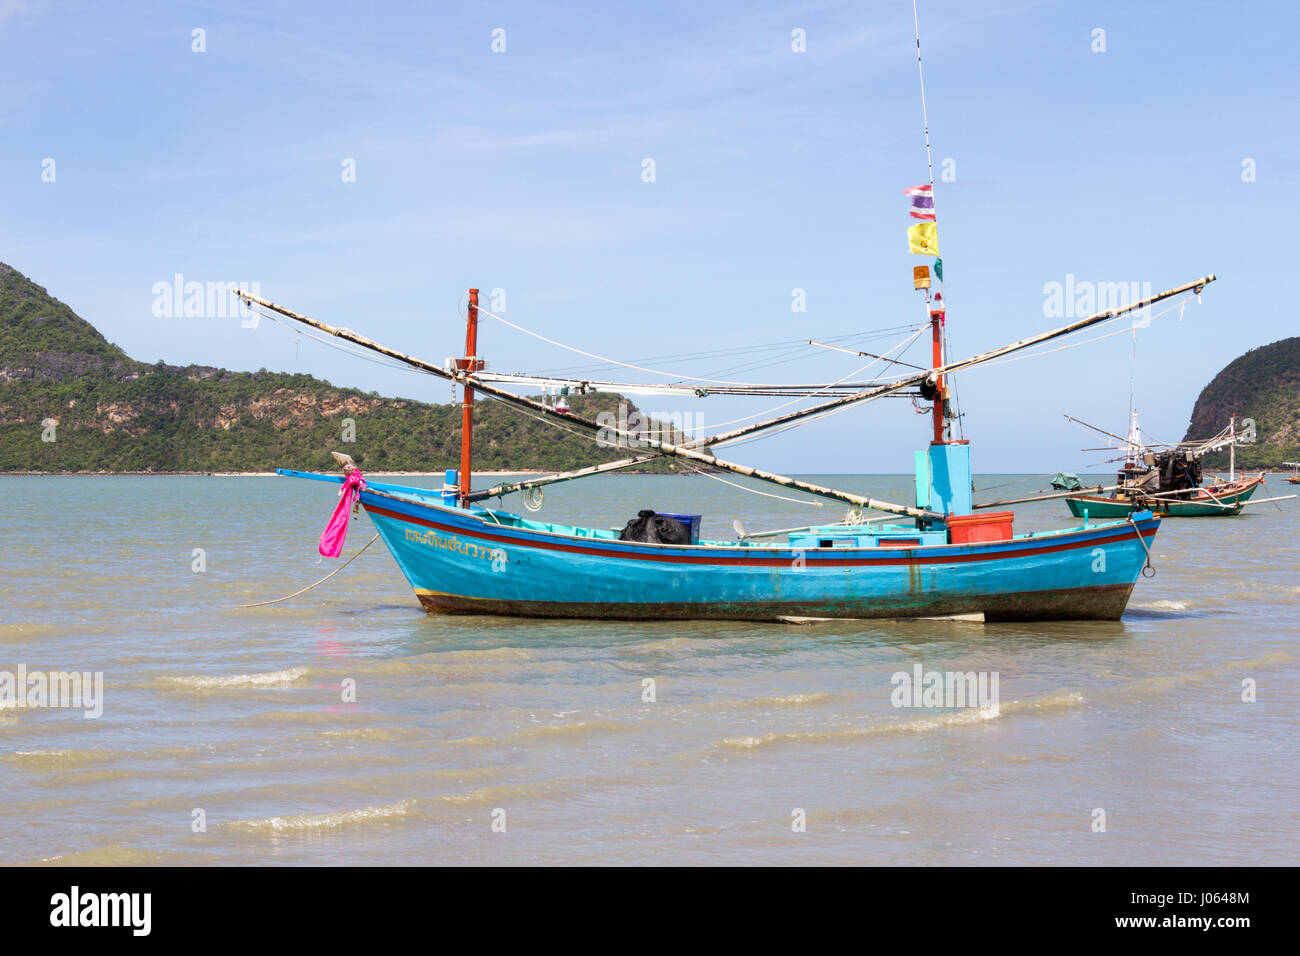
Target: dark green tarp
1066, 481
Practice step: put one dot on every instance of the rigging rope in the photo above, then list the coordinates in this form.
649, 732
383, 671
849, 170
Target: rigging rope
786, 344
755, 491
310, 586
330, 341
1072, 345
764, 414
640, 368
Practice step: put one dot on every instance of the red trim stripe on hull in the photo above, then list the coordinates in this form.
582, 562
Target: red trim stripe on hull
529, 539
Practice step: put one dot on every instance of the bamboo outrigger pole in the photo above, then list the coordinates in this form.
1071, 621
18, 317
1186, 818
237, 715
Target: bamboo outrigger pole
861, 396
1083, 490
948, 369
690, 451
664, 448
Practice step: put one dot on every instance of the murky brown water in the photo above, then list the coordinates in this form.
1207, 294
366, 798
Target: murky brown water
458, 721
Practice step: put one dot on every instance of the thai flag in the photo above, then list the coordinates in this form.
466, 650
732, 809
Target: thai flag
922, 202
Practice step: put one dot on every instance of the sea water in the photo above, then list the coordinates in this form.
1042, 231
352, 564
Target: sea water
348, 726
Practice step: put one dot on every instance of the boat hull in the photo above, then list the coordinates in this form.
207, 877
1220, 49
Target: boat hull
461, 562
1104, 508
1223, 504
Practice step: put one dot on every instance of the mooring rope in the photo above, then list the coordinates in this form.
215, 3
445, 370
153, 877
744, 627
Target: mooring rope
1142, 541
310, 586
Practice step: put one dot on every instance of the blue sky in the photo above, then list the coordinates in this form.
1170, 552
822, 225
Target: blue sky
775, 170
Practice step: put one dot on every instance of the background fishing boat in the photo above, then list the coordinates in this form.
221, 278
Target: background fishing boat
1223, 501
1168, 481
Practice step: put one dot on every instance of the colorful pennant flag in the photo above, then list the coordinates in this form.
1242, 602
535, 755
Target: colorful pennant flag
922, 202
923, 239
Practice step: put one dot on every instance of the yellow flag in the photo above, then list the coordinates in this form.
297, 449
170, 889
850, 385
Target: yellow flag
923, 239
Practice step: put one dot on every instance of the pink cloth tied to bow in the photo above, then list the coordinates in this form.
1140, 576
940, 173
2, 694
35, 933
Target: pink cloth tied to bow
336, 532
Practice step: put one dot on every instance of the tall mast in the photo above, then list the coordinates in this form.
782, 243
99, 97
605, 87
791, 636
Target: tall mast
468, 364
935, 304
936, 328
925, 120
1232, 449
1132, 391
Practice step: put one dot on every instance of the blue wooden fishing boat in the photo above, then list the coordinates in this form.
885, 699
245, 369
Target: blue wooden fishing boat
943, 555
485, 561
946, 559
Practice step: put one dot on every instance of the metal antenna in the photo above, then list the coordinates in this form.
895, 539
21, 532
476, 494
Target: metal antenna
925, 121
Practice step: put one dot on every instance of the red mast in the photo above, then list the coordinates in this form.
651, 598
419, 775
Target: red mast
936, 327
468, 364
921, 282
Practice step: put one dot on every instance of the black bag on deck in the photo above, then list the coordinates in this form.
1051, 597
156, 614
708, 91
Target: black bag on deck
656, 529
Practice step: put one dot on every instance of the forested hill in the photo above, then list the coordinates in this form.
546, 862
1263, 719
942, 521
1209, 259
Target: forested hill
1262, 385
70, 401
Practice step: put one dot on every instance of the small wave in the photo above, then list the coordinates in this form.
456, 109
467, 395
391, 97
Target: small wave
492, 796
333, 714
85, 777
369, 733
960, 718
1161, 605
788, 700
56, 759
578, 728
326, 821
918, 726
477, 655
107, 856
1056, 700
209, 682
29, 632
699, 641
1162, 682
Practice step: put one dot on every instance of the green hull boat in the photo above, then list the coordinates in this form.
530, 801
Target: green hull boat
1218, 501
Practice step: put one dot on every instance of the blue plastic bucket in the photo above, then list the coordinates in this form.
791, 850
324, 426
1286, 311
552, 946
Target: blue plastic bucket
692, 523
